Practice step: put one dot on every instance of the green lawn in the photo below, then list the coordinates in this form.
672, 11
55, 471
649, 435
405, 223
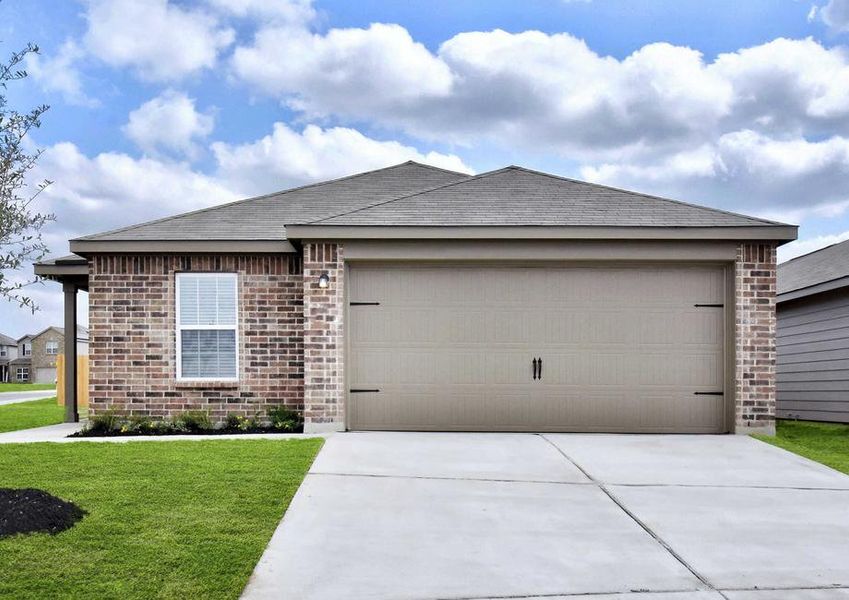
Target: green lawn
26, 387
166, 519
34, 413
827, 443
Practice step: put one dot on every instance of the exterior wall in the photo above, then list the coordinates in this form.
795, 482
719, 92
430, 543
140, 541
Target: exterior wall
132, 349
324, 377
813, 358
40, 358
755, 353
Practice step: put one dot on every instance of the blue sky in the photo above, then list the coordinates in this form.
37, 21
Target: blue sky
163, 106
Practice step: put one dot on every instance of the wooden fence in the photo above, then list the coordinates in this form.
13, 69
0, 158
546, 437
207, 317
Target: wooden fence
82, 380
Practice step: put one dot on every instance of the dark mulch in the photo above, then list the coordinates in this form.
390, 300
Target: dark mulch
29, 510
164, 432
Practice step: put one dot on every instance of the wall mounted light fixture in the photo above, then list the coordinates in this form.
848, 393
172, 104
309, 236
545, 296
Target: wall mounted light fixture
323, 281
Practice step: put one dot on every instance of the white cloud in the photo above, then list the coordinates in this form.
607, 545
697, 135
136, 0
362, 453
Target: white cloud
60, 73
835, 14
168, 122
349, 71
287, 157
788, 179
162, 41
806, 246
278, 11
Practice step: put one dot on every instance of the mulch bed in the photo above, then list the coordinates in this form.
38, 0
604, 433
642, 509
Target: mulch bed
30, 510
217, 431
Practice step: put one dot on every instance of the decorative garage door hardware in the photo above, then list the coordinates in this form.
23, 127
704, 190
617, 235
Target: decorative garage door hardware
709, 305
363, 391
537, 364
364, 303
708, 393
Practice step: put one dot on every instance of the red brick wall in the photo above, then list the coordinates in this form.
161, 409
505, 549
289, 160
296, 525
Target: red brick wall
132, 349
324, 376
755, 337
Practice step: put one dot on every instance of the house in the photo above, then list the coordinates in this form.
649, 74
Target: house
415, 298
813, 336
32, 358
8, 352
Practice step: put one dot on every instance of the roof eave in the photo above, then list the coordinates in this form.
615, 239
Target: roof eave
88, 247
776, 233
811, 290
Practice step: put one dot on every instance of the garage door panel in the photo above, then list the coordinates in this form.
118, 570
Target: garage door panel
624, 348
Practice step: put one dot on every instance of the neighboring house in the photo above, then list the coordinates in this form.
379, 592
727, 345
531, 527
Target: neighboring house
813, 336
47, 346
8, 352
32, 358
415, 298
20, 367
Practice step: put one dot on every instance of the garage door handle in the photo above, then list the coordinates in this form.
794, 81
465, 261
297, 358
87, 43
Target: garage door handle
539, 368
534, 361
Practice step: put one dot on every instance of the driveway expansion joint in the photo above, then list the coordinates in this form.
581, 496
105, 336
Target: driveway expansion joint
436, 478
637, 520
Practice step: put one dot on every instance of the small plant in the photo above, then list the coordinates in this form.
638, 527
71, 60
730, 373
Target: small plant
194, 421
285, 419
139, 425
105, 422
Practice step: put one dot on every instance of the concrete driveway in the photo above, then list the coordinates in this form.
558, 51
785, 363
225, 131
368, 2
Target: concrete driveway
16, 397
475, 516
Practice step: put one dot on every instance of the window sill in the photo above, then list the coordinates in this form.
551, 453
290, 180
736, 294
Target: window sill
206, 384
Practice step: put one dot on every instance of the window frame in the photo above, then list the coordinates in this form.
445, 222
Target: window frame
26, 349
179, 328
51, 344
24, 370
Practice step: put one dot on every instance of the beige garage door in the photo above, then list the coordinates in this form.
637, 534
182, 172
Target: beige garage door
618, 348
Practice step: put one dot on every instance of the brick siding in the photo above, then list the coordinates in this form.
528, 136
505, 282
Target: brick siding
324, 377
132, 349
755, 270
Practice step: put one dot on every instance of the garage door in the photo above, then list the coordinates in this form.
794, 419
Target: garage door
601, 349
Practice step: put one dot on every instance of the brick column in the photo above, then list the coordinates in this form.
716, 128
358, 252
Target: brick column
324, 377
755, 338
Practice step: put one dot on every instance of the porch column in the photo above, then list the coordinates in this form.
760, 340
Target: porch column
71, 413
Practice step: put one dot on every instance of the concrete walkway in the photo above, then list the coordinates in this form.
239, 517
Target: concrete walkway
59, 434
476, 516
16, 397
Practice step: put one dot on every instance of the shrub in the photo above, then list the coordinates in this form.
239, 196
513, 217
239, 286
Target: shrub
194, 421
105, 422
285, 419
240, 423
140, 425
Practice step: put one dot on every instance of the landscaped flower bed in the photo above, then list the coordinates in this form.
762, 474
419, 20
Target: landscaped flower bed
193, 422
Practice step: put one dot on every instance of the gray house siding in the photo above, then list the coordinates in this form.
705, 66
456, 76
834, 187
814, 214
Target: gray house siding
813, 358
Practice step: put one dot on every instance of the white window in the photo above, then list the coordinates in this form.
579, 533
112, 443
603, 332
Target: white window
27, 349
23, 374
2, 350
207, 340
52, 347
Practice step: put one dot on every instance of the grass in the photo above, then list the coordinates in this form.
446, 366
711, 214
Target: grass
827, 443
26, 387
174, 519
34, 413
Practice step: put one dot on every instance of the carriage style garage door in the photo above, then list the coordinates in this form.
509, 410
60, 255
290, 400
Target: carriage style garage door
578, 348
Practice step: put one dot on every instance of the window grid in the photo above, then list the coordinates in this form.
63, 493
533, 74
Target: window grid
198, 331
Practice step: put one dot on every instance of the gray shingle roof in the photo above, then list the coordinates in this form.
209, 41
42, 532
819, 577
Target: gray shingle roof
419, 195
5, 340
265, 217
519, 196
820, 266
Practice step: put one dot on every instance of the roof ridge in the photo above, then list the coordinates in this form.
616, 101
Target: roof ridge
433, 189
644, 195
252, 198
789, 260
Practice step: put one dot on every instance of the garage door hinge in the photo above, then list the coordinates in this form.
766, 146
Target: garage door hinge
361, 391
709, 305
364, 303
